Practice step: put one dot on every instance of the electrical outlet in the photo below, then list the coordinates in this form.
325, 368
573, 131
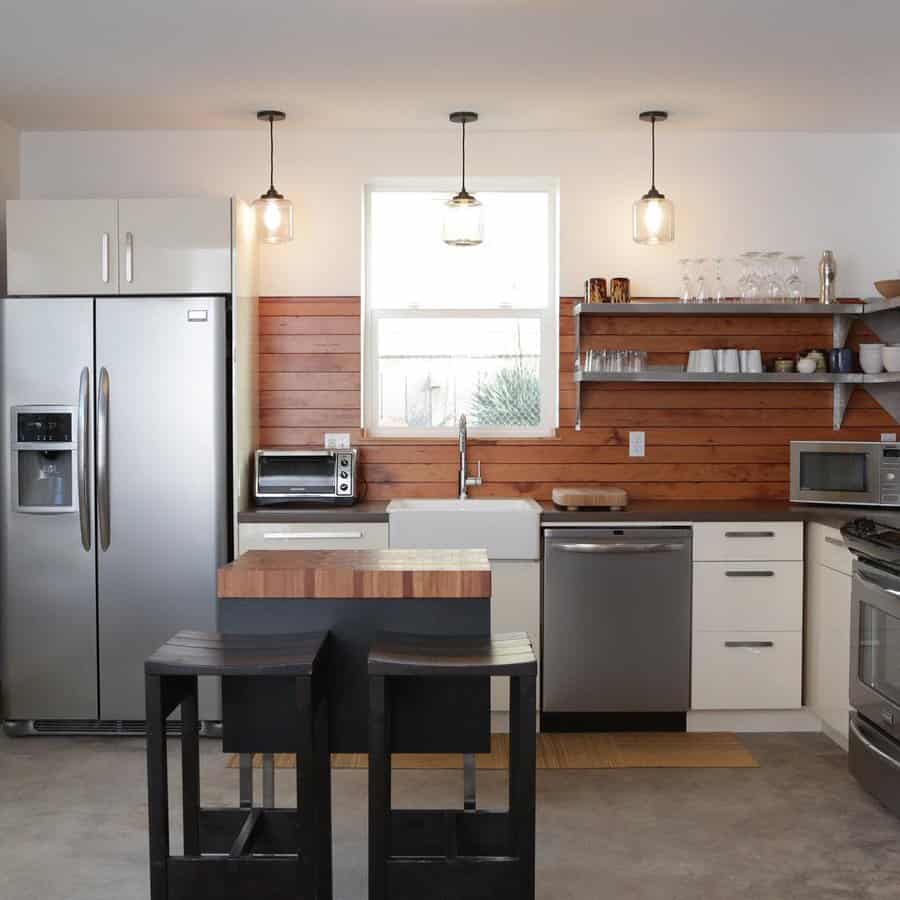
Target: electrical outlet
636, 443
337, 440
889, 438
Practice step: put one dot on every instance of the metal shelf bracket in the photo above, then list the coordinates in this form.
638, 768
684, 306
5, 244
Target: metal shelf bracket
842, 394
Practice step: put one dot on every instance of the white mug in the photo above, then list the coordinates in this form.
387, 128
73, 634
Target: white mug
720, 360
754, 362
731, 362
706, 361
692, 361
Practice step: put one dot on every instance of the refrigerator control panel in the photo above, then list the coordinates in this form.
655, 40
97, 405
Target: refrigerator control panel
43, 427
44, 459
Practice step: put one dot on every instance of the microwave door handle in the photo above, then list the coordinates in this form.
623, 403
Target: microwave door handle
878, 585
84, 508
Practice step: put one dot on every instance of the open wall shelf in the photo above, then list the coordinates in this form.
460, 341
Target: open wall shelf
881, 316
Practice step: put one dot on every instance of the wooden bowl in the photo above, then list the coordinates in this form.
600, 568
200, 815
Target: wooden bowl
888, 289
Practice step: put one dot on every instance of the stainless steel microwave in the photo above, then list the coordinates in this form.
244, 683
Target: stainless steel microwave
858, 473
320, 476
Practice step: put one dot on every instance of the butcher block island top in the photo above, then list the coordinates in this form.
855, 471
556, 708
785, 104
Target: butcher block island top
356, 574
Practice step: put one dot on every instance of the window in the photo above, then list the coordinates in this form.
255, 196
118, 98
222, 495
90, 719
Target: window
451, 330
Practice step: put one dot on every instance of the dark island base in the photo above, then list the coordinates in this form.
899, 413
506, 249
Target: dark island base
440, 715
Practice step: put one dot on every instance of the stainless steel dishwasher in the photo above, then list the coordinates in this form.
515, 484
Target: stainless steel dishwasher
616, 620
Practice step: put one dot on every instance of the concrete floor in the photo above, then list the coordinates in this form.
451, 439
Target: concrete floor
73, 819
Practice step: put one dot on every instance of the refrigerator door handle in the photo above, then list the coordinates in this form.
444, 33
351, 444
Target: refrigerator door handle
103, 458
84, 508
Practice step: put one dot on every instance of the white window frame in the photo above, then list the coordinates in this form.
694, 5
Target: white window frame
547, 315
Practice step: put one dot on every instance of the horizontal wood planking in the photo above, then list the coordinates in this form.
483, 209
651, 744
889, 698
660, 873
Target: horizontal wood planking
703, 441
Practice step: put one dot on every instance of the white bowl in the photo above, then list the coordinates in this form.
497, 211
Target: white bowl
891, 358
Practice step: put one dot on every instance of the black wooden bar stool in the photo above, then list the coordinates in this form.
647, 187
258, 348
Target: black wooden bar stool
466, 853
274, 701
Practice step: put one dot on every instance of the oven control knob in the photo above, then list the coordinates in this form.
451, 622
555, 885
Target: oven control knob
890, 476
345, 474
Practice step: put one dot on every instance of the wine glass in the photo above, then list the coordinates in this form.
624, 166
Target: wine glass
700, 292
750, 259
686, 295
718, 285
794, 292
774, 287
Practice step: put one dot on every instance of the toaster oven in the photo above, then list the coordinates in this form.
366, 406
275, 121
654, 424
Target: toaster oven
319, 476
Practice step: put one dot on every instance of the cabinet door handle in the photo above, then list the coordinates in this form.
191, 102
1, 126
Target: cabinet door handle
749, 644
836, 541
749, 534
104, 257
129, 257
312, 535
738, 573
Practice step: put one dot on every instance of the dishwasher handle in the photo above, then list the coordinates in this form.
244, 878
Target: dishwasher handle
621, 547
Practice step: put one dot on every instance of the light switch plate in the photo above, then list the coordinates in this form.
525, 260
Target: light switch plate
337, 440
636, 443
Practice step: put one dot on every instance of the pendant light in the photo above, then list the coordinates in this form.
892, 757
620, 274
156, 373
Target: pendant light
463, 215
274, 214
653, 216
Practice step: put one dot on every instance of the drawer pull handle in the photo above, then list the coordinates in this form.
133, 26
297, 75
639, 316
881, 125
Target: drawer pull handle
312, 535
762, 573
752, 644
749, 534
836, 541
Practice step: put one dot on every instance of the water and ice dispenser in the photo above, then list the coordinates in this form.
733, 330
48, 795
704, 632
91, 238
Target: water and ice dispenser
44, 461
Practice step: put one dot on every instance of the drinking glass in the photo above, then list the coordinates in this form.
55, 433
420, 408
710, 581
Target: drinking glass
700, 292
686, 295
794, 292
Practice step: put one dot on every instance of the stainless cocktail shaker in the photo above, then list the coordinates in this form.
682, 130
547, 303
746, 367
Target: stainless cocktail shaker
827, 276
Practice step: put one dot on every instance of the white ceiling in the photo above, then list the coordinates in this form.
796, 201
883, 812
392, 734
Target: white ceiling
829, 65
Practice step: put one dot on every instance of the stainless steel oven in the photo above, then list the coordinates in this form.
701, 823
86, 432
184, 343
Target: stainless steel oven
875, 659
320, 476
860, 473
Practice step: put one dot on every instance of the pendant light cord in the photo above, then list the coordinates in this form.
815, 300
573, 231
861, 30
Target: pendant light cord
653, 154
271, 154
463, 157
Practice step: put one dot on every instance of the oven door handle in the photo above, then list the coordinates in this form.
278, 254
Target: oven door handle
884, 757
872, 582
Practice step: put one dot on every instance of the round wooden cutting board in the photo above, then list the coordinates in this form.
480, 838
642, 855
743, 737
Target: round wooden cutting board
590, 495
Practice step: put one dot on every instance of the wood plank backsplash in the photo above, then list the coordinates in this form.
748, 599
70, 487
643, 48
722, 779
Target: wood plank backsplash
702, 441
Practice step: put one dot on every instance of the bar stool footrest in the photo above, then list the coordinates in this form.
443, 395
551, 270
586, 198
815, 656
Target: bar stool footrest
465, 878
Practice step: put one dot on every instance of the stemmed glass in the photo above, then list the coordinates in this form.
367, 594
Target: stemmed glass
686, 295
750, 292
774, 288
701, 295
718, 286
793, 284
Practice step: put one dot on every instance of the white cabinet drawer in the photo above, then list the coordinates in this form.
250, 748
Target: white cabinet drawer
748, 596
724, 541
826, 547
313, 536
746, 670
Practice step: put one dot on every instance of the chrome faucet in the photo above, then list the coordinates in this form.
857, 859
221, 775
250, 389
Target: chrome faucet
464, 481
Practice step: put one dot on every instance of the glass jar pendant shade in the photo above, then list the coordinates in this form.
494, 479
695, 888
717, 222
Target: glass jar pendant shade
463, 224
653, 216
274, 213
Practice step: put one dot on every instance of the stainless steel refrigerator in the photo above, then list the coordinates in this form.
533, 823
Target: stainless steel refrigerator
113, 429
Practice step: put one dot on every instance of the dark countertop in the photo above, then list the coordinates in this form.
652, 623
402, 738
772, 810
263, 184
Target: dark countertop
638, 511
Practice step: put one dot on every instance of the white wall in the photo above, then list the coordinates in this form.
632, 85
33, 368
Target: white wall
732, 192
9, 187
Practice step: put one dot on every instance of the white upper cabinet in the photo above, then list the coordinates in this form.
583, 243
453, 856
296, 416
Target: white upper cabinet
61, 247
175, 245
179, 245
